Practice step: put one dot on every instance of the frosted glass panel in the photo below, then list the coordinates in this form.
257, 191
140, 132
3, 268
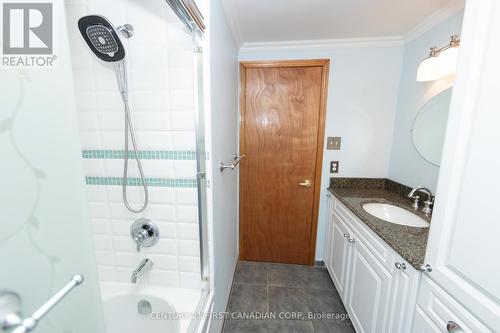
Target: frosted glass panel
44, 230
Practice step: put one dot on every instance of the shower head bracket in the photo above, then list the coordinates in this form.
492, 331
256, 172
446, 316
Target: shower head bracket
126, 30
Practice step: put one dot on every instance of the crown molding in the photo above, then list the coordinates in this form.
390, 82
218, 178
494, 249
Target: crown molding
232, 22
321, 44
434, 19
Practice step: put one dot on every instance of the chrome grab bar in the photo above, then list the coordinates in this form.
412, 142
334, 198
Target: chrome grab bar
237, 160
28, 324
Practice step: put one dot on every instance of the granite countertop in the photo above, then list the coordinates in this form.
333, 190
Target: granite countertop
409, 242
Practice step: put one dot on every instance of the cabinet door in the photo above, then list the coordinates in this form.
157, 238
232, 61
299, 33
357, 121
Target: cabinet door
423, 324
442, 310
463, 241
379, 248
404, 288
327, 249
340, 255
368, 291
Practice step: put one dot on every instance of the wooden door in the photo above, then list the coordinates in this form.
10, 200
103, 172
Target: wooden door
282, 127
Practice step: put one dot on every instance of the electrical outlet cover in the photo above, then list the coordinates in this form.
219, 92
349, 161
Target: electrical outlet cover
334, 167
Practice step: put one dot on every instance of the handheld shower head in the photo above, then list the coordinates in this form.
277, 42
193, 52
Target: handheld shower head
101, 37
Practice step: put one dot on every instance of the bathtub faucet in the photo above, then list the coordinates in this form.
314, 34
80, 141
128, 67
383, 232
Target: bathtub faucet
145, 265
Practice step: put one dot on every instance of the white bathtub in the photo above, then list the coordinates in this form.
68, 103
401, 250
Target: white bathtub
121, 315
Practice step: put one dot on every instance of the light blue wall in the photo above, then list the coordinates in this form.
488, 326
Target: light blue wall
406, 165
362, 102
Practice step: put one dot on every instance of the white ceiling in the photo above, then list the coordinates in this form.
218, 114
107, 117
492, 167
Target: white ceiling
257, 21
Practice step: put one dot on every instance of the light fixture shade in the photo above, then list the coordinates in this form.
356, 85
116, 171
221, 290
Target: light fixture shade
448, 61
438, 66
428, 70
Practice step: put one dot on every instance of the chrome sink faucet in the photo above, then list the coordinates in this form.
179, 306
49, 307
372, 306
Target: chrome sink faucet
427, 210
145, 265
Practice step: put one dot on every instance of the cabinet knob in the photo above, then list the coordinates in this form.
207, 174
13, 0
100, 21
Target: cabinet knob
347, 235
426, 268
328, 195
352, 240
400, 265
453, 327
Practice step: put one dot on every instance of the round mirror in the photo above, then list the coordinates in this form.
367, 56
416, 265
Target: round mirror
429, 127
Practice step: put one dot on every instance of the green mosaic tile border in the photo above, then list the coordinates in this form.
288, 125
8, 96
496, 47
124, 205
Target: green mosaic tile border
158, 182
143, 154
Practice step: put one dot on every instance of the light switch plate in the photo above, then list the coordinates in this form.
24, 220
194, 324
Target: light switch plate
334, 167
333, 143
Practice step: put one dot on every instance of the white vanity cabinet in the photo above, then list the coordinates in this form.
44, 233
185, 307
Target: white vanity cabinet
441, 313
368, 290
404, 288
340, 260
378, 296
327, 251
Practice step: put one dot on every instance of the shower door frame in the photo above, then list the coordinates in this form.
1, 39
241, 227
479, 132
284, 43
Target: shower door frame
201, 179
189, 14
201, 157
191, 17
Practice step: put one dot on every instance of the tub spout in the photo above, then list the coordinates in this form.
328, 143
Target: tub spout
145, 265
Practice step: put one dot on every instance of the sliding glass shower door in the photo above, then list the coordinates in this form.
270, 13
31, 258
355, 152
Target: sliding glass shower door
44, 232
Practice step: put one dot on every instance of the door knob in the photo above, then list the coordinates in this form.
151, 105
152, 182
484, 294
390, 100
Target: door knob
306, 183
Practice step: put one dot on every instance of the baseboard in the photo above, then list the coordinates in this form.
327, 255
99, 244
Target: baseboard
319, 263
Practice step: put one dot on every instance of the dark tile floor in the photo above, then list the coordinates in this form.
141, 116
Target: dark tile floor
284, 298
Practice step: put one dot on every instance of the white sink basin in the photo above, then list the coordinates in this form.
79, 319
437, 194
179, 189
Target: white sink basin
395, 214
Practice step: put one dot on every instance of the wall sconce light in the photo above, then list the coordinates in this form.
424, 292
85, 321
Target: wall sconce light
441, 62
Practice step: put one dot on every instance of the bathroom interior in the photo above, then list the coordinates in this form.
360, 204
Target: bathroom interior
249, 166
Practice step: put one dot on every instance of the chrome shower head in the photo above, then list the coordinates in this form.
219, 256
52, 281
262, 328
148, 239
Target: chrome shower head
101, 37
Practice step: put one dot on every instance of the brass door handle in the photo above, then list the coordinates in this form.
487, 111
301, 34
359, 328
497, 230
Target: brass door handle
306, 183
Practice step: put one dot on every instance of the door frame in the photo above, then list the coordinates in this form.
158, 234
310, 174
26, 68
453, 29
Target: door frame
325, 65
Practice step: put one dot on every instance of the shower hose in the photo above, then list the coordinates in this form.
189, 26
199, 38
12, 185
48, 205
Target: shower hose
121, 74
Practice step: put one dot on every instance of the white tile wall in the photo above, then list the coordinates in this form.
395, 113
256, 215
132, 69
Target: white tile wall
161, 84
